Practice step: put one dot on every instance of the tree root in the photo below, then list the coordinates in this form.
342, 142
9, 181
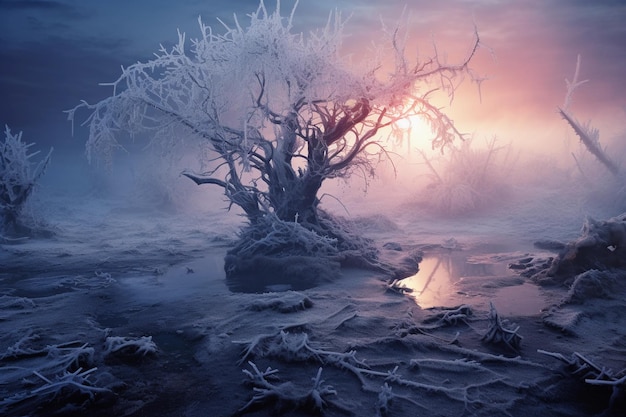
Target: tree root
297, 347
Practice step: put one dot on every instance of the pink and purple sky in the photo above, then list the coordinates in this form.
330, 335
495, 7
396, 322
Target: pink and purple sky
54, 53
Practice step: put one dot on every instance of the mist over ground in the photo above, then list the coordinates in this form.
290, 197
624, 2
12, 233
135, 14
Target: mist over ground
497, 279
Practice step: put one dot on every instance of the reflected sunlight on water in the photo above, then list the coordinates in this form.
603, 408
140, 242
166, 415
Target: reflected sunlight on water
433, 284
450, 278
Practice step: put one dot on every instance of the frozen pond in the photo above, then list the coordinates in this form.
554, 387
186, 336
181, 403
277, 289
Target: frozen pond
452, 277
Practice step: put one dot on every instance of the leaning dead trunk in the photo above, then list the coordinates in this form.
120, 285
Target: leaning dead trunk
588, 136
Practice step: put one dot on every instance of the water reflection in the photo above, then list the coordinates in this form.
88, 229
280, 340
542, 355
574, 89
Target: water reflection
450, 277
435, 282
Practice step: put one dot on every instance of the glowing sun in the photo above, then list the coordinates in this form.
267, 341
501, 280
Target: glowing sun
415, 131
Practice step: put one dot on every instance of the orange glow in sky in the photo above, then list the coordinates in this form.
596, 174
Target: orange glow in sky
58, 56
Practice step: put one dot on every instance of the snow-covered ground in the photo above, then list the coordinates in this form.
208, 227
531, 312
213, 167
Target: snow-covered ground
125, 311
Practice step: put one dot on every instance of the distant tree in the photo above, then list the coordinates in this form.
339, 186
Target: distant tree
18, 177
280, 113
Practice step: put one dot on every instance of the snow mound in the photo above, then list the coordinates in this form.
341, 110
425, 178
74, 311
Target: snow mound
288, 302
593, 284
564, 319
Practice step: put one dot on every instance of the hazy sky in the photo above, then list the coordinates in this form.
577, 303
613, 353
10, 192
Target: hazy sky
53, 53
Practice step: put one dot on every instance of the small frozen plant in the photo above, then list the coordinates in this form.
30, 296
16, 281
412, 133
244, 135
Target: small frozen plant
500, 333
63, 373
18, 177
286, 395
129, 346
63, 386
385, 397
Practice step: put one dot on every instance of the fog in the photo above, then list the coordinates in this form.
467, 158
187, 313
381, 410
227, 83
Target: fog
492, 281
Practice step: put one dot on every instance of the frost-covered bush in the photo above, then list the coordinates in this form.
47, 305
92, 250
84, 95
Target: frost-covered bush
18, 177
467, 178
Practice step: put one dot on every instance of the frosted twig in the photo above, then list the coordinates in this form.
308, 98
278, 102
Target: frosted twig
296, 347
135, 346
447, 317
572, 85
612, 382
286, 395
19, 350
583, 368
452, 316
77, 379
488, 357
398, 287
456, 365
66, 383
499, 334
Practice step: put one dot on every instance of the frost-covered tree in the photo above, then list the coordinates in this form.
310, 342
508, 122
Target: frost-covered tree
279, 113
18, 177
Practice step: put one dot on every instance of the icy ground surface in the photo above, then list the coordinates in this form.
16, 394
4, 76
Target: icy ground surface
131, 307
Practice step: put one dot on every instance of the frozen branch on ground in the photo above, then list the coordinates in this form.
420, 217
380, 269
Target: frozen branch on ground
291, 347
583, 367
396, 286
61, 357
59, 367
20, 348
286, 396
295, 347
445, 318
592, 374
456, 365
51, 360
129, 346
488, 357
63, 385
451, 316
498, 333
